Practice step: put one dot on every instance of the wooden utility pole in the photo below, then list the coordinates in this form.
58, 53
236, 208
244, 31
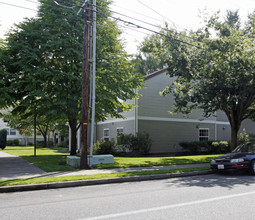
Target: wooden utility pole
85, 80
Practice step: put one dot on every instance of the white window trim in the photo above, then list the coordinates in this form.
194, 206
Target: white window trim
106, 129
203, 136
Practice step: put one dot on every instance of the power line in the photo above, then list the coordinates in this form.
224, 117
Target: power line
175, 32
18, 6
147, 29
156, 12
121, 20
139, 13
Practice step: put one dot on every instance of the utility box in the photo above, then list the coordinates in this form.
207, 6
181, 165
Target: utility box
102, 159
73, 161
96, 159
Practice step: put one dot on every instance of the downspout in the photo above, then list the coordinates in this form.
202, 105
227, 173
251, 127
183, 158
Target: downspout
136, 115
215, 129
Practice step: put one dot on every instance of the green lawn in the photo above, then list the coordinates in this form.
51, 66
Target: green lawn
51, 160
47, 159
156, 161
95, 176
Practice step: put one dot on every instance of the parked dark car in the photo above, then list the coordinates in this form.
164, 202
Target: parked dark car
242, 158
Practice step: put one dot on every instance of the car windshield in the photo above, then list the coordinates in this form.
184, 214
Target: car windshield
247, 147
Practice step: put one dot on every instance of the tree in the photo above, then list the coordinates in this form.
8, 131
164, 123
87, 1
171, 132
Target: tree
44, 64
215, 71
24, 123
149, 59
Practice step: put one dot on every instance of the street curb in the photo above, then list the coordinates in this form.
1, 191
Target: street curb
41, 186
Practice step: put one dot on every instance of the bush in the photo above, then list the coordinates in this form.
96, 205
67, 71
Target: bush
251, 136
15, 142
142, 143
139, 143
220, 147
205, 147
104, 147
3, 138
242, 137
64, 143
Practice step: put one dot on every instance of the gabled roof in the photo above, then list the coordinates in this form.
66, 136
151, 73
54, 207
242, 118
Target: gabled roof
155, 74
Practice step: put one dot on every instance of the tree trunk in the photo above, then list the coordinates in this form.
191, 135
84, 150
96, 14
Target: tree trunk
73, 127
235, 126
45, 141
234, 132
235, 120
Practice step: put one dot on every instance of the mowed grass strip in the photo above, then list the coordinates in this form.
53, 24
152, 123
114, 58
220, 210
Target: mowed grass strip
53, 159
125, 162
95, 176
48, 159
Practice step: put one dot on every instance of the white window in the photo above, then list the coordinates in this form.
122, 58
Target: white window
120, 130
12, 131
106, 134
203, 134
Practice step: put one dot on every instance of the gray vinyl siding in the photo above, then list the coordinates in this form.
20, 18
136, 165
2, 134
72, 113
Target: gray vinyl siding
221, 116
165, 129
223, 132
128, 128
152, 104
248, 125
166, 136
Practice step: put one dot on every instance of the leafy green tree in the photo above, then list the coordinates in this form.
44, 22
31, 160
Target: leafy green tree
149, 58
217, 73
24, 123
44, 63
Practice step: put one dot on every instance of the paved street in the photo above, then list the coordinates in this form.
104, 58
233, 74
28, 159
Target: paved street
217, 196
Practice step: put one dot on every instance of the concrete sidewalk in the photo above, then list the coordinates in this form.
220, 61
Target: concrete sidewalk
12, 167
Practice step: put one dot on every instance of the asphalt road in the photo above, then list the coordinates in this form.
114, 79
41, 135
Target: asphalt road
216, 196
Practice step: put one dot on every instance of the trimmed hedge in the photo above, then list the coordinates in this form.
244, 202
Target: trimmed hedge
205, 147
3, 138
15, 142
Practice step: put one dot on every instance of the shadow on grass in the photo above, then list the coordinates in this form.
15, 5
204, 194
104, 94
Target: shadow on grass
50, 163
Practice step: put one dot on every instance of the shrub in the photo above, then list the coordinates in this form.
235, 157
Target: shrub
3, 138
203, 147
251, 136
15, 142
220, 147
242, 137
104, 147
139, 143
64, 143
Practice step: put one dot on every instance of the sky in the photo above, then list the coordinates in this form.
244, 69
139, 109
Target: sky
181, 14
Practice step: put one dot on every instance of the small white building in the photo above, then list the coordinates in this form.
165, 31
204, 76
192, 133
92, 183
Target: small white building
13, 134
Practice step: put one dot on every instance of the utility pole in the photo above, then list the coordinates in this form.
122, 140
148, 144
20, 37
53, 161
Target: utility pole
85, 79
93, 84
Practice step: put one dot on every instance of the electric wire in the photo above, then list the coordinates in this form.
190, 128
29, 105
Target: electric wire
157, 26
18, 6
147, 29
156, 12
121, 20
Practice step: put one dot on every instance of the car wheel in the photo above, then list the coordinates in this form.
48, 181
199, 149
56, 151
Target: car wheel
252, 167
